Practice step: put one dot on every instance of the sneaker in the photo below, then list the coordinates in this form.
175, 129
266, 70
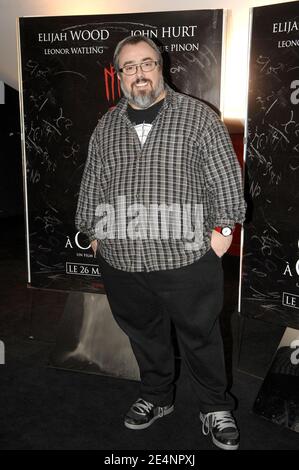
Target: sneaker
223, 429
143, 413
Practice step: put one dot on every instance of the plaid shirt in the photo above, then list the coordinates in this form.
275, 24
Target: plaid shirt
187, 158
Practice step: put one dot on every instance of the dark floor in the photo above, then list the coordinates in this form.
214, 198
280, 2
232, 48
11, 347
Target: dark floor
46, 408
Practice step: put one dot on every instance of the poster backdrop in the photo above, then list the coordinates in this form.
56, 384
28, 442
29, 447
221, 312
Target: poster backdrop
270, 286
68, 83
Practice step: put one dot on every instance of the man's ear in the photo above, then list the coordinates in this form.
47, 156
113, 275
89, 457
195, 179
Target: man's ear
118, 76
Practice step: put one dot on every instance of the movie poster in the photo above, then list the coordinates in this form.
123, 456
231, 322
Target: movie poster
270, 282
67, 83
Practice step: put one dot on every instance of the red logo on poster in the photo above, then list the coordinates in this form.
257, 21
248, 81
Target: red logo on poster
112, 84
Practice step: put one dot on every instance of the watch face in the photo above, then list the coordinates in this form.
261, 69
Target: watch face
226, 231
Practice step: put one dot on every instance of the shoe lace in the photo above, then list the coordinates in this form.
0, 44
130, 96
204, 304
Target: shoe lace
219, 419
142, 406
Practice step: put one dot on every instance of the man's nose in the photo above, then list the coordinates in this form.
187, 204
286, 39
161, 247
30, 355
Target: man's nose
139, 72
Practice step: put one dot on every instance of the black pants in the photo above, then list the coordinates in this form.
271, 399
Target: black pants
143, 303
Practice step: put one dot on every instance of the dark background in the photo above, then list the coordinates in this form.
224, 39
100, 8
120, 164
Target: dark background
272, 171
64, 96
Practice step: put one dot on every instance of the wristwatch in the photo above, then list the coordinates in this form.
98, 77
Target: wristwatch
225, 231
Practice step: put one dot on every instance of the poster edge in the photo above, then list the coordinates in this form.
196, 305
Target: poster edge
250, 21
23, 149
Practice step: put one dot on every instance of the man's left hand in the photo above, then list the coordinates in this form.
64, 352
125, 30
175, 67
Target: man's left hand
219, 243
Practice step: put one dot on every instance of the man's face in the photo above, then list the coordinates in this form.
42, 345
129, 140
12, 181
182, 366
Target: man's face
143, 88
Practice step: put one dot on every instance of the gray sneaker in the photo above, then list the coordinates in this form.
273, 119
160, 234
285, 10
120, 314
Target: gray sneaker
143, 413
223, 429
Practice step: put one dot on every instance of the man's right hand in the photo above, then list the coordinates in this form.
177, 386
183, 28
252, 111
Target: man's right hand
94, 246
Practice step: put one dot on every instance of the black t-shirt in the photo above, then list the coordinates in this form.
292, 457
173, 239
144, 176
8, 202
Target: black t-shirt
142, 119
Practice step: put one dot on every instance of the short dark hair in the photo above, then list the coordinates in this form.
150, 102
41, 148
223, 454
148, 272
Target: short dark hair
135, 40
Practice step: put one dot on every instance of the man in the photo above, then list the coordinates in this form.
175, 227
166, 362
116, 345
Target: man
164, 161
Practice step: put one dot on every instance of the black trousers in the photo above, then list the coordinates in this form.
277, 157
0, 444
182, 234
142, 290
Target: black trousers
144, 303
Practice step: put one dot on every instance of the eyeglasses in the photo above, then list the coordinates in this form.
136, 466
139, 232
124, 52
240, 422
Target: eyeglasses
147, 66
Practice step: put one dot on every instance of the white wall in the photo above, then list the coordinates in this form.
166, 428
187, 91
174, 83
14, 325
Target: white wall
236, 61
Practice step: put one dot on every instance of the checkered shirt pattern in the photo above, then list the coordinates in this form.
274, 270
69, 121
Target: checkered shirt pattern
187, 158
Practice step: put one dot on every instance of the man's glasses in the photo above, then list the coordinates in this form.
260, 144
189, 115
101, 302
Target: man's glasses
147, 66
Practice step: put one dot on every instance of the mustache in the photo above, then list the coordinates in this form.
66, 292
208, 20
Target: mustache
141, 80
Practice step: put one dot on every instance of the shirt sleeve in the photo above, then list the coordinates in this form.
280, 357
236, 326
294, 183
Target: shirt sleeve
85, 219
223, 175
